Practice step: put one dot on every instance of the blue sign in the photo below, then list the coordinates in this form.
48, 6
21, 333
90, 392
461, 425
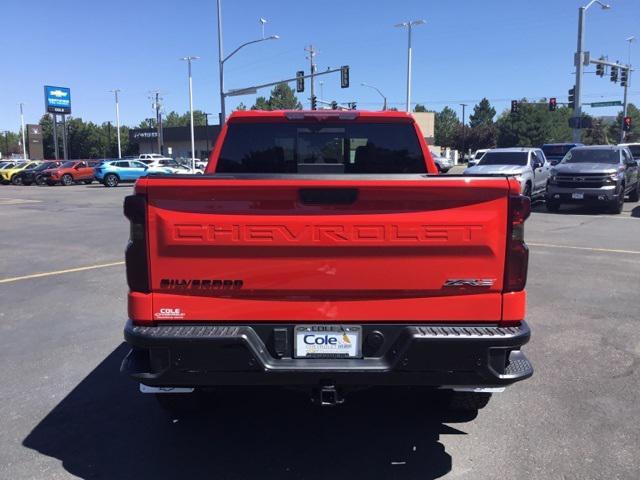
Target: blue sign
57, 99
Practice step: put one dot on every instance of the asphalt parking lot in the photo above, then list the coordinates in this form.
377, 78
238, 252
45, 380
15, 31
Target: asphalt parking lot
67, 412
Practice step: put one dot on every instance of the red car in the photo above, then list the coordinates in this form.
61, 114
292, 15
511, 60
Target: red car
69, 173
322, 250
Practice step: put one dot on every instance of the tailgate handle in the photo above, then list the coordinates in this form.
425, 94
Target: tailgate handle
328, 196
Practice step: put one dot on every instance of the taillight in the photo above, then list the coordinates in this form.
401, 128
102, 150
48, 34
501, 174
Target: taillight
135, 209
517, 258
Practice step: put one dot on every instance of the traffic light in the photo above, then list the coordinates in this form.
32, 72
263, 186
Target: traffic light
624, 76
515, 107
334, 105
553, 104
600, 70
626, 124
614, 74
344, 76
299, 81
314, 103
572, 98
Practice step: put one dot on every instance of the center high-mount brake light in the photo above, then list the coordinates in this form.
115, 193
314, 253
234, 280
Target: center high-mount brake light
517, 258
321, 115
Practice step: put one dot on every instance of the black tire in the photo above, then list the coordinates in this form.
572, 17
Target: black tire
634, 196
16, 180
616, 206
66, 180
438, 168
40, 180
552, 206
179, 404
527, 190
112, 180
466, 401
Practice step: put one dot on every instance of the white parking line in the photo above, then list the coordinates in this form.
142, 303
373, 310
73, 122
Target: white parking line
589, 249
17, 201
59, 272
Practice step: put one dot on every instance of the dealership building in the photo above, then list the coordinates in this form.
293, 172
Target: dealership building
176, 141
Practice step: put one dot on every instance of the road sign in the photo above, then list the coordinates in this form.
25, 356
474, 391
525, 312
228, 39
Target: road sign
613, 103
57, 99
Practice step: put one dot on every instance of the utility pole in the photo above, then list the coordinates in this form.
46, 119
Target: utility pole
579, 63
108, 152
157, 106
312, 68
116, 91
24, 144
190, 59
464, 129
223, 114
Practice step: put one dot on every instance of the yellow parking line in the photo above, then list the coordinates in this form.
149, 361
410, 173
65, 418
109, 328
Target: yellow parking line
59, 272
589, 249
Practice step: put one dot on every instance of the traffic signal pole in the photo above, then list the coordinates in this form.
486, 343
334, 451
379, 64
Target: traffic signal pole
577, 112
624, 105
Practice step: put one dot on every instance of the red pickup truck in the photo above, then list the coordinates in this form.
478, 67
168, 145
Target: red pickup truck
322, 250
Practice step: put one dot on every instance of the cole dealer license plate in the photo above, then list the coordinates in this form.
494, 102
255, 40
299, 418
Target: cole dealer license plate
328, 341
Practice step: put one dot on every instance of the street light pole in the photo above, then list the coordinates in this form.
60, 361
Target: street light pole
579, 61
24, 144
384, 104
193, 141
464, 130
222, 59
631, 39
116, 91
409, 25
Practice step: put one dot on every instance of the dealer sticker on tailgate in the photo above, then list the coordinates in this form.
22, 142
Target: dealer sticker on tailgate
328, 341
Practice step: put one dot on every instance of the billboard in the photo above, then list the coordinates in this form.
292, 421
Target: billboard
57, 99
34, 135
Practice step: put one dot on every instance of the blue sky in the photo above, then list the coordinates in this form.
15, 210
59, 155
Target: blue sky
501, 49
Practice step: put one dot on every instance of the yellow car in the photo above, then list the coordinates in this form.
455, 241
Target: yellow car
7, 174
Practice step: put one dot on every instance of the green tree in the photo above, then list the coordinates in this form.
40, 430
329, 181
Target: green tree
446, 123
597, 134
282, 98
241, 107
10, 142
533, 126
634, 134
482, 136
420, 108
174, 119
483, 114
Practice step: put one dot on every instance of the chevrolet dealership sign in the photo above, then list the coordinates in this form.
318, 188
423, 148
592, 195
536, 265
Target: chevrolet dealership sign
57, 99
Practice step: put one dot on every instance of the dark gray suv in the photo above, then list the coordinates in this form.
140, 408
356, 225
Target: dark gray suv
598, 174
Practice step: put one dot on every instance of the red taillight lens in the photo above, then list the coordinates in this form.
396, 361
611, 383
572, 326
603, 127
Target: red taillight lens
135, 209
517, 258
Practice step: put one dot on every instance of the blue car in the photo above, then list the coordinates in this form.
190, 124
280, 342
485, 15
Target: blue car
111, 172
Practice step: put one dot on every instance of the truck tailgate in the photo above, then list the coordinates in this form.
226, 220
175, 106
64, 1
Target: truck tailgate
317, 249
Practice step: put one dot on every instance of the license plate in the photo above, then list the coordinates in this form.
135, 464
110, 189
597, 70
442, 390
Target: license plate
577, 196
328, 341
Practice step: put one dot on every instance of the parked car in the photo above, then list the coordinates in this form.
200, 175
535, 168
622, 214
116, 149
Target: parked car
634, 148
529, 165
9, 175
69, 172
600, 175
443, 164
164, 165
214, 300
477, 156
111, 173
150, 157
33, 174
556, 151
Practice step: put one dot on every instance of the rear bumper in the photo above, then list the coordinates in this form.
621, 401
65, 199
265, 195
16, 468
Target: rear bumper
258, 354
